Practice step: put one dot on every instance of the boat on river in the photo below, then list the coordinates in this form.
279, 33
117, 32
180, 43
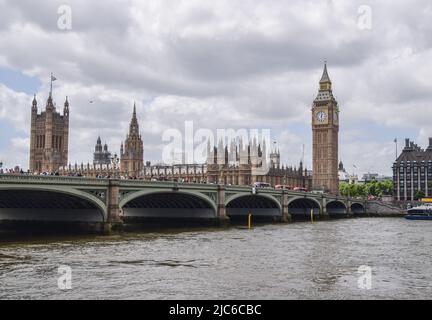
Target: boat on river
422, 212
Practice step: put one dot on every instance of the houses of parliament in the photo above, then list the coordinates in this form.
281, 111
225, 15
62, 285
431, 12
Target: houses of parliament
50, 136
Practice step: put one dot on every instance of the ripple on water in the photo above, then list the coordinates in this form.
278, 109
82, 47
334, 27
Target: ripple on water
301, 260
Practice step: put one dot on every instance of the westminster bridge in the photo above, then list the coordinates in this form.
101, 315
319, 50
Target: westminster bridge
111, 202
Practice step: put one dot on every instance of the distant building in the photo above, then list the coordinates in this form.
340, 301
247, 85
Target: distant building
49, 137
236, 164
101, 154
132, 152
325, 141
369, 177
344, 176
412, 171
245, 164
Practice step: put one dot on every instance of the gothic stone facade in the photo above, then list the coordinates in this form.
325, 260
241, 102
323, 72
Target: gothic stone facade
49, 137
325, 129
246, 164
132, 152
239, 165
228, 174
101, 155
412, 172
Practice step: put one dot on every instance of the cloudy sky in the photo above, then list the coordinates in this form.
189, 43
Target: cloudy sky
221, 64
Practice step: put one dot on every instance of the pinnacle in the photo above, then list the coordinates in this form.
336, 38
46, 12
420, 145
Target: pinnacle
325, 77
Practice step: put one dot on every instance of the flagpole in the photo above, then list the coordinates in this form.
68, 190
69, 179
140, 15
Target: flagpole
51, 84
396, 147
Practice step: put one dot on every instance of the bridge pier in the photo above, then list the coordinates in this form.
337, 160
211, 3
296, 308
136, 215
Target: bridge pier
114, 222
349, 211
286, 217
222, 217
324, 213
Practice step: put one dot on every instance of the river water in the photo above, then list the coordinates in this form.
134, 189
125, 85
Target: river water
276, 261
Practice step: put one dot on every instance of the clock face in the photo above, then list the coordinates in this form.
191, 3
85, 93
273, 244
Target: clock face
335, 117
321, 116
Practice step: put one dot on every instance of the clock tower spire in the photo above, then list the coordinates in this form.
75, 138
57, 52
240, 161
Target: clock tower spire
325, 82
325, 129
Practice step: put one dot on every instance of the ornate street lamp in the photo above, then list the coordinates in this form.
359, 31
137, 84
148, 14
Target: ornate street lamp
115, 161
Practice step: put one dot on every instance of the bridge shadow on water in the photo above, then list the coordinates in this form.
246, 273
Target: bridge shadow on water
41, 232
12, 231
28, 229
150, 229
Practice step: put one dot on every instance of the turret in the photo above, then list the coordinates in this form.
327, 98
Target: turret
209, 153
275, 159
34, 105
50, 104
134, 127
220, 152
66, 108
226, 155
407, 145
98, 147
264, 152
429, 148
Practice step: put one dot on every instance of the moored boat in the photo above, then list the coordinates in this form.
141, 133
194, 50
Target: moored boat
422, 212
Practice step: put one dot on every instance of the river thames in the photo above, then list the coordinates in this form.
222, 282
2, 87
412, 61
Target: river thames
275, 261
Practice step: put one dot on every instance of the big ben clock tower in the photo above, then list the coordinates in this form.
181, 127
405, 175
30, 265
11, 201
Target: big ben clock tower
325, 129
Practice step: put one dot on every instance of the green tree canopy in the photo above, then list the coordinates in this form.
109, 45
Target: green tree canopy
373, 188
419, 195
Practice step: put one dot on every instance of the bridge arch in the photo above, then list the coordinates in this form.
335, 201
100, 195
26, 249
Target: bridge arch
300, 207
50, 204
167, 204
260, 204
358, 208
336, 208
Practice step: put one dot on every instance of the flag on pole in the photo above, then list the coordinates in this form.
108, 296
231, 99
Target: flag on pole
51, 86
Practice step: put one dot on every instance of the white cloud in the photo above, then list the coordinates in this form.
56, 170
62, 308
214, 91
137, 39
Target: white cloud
224, 64
12, 108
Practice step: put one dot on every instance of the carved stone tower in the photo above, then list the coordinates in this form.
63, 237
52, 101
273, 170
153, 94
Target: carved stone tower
49, 137
132, 152
325, 129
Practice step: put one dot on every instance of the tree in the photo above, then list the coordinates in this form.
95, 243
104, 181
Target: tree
352, 190
387, 187
419, 195
373, 188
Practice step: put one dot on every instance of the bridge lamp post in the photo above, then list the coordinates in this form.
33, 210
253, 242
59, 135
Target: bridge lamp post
349, 190
115, 161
